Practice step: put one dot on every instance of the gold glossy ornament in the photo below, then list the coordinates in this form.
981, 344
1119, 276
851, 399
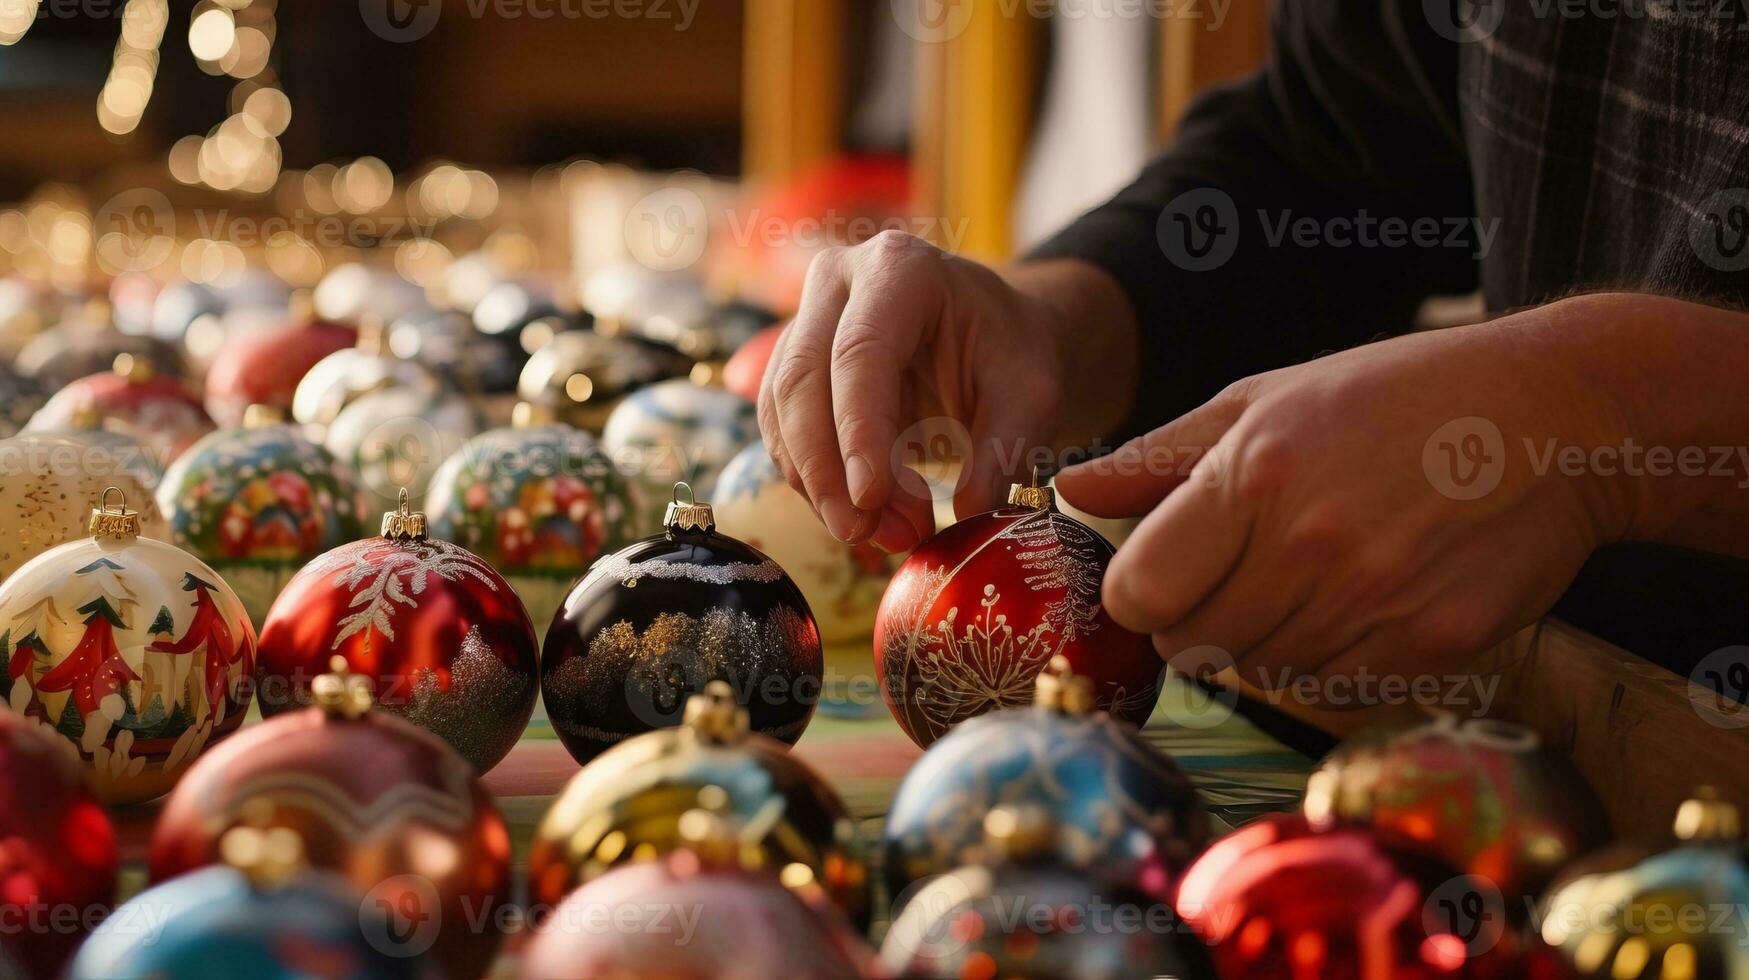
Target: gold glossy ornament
628, 804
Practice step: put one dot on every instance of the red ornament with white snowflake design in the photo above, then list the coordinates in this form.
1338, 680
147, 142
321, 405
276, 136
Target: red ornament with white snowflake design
442, 637
978, 610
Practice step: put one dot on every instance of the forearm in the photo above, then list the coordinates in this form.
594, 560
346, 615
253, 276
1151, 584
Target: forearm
1098, 345
1672, 374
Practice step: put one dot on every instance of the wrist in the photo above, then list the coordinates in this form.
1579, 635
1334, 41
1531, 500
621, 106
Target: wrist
1091, 337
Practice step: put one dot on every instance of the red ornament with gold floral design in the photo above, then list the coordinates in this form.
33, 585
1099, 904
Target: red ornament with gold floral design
443, 638
1277, 898
382, 802
57, 848
977, 612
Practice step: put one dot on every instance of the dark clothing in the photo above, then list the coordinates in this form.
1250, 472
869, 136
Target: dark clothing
1553, 149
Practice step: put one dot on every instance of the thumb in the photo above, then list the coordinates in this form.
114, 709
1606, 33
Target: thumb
1141, 472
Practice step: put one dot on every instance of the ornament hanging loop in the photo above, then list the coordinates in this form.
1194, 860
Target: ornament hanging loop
1033, 496
118, 522
1059, 688
341, 693
714, 715
688, 514
404, 524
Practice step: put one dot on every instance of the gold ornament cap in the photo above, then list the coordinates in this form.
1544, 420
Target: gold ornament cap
341, 693
715, 716
404, 524
688, 514
119, 522
1059, 688
1708, 819
259, 416
1018, 833
1033, 496
267, 858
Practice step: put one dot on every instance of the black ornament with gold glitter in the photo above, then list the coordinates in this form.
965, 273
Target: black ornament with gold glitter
652, 624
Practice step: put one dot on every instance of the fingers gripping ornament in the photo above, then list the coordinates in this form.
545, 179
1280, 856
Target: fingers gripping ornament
442, 636
134, 650
627, 805
1122, 808
978, 610
382, 802
652, 624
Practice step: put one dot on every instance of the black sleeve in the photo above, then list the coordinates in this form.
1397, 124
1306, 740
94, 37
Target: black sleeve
1353, 121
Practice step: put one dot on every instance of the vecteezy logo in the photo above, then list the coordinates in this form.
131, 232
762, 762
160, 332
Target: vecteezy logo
1468, 908
1465, 458
400, 21
1718, 687
667, 230
933, 21
1464, 20
932, 458
401, 916
1207, 701
135, 231
1719, 230
1199, 230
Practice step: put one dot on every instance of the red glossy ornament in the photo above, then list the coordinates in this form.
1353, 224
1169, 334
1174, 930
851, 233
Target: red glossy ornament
442, 636
1486, 796
160, 412
1276, 899
57, 848
264, 368
977, 612
745, 370
387, 805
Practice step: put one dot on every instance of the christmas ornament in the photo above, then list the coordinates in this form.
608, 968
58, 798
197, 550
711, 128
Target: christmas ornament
389, 806
679, 430
625, 296
745, 371
260, 914
508, 307
843, 582
743, 923
653, 623
978, 610
1277, 899
397, 438
582, 375
626, 805
45, 499
1122, 808
443, 638
108, 451
20, 397
26, 307
538, 501
1017, 913
463, 358
1671, 915
180, 305
134, 650
158, 412
265, 367
354, 292
258, 502
1486, 796
343, 377
88, 343
57, 848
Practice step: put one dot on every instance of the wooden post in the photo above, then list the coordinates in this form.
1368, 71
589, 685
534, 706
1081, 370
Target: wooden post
975, 83
1195, 55
794, 85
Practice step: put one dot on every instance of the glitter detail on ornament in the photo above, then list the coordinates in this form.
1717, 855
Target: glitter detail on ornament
481, 711
615, 566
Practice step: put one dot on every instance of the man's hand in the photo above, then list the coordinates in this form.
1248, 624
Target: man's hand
895, 331
1333, 516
